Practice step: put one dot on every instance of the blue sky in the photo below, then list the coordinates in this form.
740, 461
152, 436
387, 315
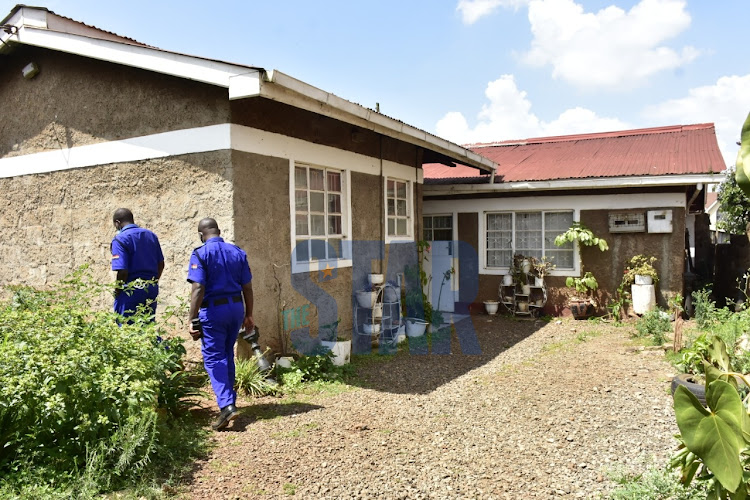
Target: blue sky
476, 70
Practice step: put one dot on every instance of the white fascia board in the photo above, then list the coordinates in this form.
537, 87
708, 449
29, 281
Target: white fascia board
283, 88
567, 184
159, 61
177, 142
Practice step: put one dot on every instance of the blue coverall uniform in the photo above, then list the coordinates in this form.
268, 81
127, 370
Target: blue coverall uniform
136, 250
222, 268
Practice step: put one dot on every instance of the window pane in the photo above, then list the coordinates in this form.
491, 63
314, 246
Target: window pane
389, 190
334, 203
443, 234
401, 227
391, 207
301, 225
427, 221
401, 208
300, 201
334, 248
401, 190
317, 225
318, 249
427, 234
316, 179
334, 224
558, 221
444, 222
563, 259
391, 226
317, 202
527, 221
303, 251
300, 177
334, 181
499, 221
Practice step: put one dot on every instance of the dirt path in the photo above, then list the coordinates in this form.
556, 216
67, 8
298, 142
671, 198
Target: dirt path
546, 411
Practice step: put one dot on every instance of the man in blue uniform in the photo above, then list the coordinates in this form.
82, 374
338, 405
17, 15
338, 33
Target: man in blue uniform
222, 298
136, 256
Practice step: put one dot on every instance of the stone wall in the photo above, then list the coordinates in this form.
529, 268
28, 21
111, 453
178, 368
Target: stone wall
53, 223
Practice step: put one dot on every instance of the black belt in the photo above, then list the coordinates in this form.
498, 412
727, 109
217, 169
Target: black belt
222, 301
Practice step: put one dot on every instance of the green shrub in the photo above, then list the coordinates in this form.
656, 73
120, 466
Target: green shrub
654, 324
80, 396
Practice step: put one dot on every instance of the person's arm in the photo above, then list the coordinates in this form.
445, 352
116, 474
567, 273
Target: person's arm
247, 293
196, 298
160, 269
121, 278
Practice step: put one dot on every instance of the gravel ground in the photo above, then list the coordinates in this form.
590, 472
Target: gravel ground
547, 410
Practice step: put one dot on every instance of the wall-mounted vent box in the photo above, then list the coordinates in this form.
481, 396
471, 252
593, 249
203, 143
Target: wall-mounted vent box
628, 222
659, 221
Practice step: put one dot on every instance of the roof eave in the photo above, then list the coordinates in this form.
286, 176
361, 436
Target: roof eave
568, 184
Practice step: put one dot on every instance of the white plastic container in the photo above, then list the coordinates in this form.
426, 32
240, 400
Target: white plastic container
644, 298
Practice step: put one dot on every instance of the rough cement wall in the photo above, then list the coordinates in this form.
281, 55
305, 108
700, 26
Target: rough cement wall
75, 101
608, 267
53, 223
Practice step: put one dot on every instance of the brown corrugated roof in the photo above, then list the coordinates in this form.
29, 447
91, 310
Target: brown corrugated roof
677, 150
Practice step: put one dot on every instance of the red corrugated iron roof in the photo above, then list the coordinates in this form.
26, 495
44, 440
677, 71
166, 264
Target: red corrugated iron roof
678, 150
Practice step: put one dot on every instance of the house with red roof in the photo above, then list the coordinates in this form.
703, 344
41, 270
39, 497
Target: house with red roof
642, 190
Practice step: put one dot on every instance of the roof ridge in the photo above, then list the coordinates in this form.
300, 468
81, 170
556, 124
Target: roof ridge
593, 135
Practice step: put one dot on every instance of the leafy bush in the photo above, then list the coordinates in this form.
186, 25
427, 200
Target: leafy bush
313, 368
654, 324
80, 394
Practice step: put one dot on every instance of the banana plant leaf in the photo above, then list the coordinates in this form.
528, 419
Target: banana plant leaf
742, 165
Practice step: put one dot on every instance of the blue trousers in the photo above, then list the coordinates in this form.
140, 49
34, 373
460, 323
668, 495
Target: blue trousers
126, 303
221, 324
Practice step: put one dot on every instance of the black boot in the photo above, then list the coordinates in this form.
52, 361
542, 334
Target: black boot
228, 413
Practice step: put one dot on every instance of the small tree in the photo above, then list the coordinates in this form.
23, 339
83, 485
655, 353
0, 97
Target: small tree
734, 206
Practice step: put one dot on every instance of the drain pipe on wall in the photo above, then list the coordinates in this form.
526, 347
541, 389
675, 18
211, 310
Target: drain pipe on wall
382, 207
698, 189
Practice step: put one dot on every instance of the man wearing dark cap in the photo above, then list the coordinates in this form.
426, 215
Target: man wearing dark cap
222, 298
136, 257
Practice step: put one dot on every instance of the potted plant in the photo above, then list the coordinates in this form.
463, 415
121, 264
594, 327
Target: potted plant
542, 267
418, 312
640, 271
521, 269
338, 344
582, 305
491, 306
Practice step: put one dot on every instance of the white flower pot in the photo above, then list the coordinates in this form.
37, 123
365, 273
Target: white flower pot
491, 307
375, 279
341, 349
377, 311
643, 280
391, 294
525, 289
284, 361
526, 266
539, 282
523, 307
415, 327
507, 280
371, 328
367, 299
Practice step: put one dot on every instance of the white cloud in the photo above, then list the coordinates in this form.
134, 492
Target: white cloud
473, 10
508, 115
610, 48
725, 103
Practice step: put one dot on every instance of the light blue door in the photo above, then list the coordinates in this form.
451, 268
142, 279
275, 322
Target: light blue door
438, 230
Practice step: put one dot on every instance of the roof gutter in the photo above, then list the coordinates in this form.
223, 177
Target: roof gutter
566, 184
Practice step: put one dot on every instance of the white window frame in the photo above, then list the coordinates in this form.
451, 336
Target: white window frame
346, 221
574, 271
409, 236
